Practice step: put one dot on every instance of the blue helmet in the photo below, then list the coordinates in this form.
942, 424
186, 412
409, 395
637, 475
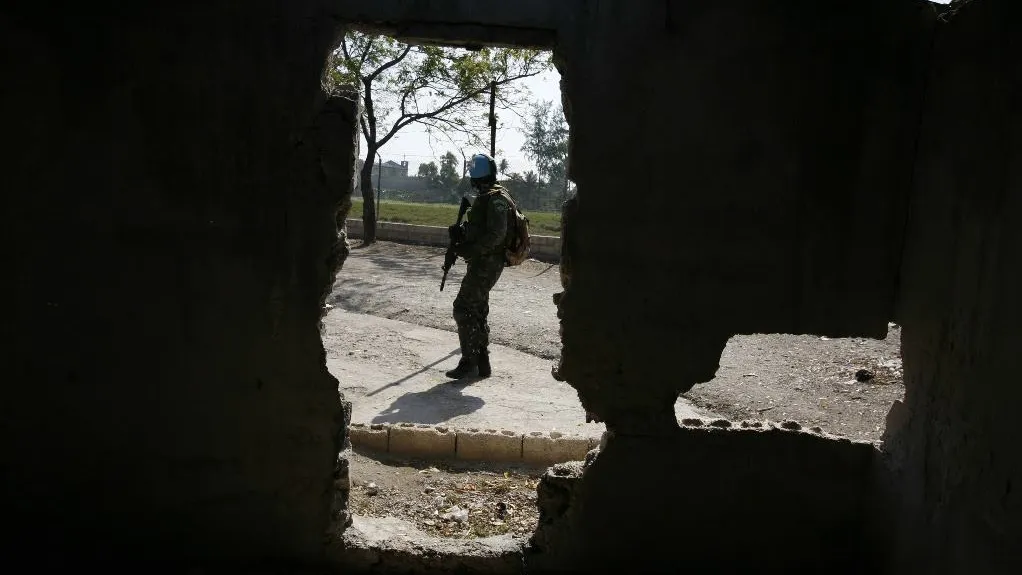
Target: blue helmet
482, 166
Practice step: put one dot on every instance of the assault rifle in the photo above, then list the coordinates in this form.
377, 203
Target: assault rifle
452, 257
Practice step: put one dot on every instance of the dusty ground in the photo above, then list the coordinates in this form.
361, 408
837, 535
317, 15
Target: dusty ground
459, 500
766, 376
402, 282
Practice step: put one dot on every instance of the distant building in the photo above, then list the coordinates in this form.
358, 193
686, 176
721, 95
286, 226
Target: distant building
394, 176
391, 169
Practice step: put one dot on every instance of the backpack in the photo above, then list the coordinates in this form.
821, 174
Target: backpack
518, 241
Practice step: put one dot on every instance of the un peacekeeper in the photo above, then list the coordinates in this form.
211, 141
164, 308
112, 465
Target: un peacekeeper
482, 244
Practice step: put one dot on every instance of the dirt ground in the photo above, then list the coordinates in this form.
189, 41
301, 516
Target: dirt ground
447, 499
809, 379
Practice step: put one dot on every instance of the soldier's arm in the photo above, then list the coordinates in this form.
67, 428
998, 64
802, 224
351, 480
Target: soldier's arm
495, 232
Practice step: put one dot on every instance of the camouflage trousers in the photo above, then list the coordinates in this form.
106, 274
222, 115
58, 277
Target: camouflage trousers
472, 304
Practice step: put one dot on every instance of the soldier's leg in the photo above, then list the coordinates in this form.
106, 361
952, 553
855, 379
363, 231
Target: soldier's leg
492, 274
468, 315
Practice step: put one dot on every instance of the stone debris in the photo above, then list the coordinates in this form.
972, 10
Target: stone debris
456, 504
455, 513
864, 375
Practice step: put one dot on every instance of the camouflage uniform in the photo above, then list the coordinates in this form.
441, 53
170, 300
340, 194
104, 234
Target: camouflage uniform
484, 251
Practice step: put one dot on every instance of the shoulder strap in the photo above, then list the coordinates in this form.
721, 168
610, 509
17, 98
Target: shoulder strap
501, 191
507, 195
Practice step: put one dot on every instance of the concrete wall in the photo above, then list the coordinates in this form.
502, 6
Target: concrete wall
165, 396
955, 443
177, 182
784, 142
789, 128
726, 500
544, 248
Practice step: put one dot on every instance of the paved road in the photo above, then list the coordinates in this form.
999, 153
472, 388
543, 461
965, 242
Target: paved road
402, 282
393, 371
775, 376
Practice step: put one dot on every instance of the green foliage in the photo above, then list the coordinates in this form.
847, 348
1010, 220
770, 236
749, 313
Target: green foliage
533, 193
540, 223
430, 173
546, 142
450, 175
442, 88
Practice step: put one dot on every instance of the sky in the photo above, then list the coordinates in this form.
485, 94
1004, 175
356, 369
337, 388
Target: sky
414, 145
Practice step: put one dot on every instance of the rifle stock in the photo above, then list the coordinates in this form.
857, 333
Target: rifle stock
450, 258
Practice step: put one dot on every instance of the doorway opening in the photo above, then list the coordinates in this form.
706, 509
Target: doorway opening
390, 335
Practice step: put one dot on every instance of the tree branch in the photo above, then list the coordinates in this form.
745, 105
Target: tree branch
510, 106
452, 126
344, 47
365, 129
370, 112
404, 100
365, 53
406, 118
390, 64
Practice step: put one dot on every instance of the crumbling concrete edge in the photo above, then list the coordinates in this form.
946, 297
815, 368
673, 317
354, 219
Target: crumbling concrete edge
471, 444
530, 448
721, 424
364, 548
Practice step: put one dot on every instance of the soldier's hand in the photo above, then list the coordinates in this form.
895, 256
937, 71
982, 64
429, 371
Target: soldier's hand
457, 233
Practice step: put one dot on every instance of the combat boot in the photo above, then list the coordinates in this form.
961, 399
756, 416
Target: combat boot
465, 367
483, 361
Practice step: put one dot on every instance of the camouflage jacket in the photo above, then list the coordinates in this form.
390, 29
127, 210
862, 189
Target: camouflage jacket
486, 225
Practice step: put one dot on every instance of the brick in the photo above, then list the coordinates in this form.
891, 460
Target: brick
375, 438
541, 449
489, 445
407, 439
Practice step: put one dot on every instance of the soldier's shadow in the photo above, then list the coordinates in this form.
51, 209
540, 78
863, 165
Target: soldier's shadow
439, 404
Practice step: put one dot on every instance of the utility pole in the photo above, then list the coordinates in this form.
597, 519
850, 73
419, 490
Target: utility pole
379, 188
493, 119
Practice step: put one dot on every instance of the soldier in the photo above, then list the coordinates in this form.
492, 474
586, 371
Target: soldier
482, 243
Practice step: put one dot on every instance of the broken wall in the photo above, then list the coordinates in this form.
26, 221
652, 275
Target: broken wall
728, 500
768, 151
954, 444
172, 230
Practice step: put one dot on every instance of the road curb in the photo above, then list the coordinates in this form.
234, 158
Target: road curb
473, 444
531, 448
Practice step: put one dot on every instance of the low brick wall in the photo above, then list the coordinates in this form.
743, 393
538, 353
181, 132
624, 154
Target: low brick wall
532, 448
437, 441
544, 248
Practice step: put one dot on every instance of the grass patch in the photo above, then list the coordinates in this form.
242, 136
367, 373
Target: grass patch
540, 223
